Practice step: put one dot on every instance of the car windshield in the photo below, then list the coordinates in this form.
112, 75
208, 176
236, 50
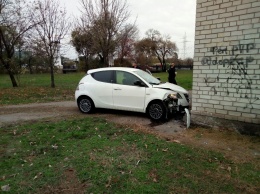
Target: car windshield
147, 77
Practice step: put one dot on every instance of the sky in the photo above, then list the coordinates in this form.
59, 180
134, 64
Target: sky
170, 17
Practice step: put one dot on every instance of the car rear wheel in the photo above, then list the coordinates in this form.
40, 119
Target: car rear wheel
86, 105
156, 111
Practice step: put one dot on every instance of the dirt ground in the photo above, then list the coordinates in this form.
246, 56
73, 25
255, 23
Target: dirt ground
234, 146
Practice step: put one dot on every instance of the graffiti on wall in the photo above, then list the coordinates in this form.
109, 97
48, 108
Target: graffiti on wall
236, 82
234, 54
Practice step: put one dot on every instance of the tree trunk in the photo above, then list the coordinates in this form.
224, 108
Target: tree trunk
11, 74
106, 58
102, 60
164, 65
106, 63
86, 63
30, 65
52, 76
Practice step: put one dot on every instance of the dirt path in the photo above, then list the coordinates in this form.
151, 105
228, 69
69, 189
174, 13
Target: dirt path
20, 113
233, 145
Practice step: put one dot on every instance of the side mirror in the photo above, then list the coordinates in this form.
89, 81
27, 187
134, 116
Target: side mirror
139, 83
159, 78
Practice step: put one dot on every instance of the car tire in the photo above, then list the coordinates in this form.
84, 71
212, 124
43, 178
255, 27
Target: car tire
86, 105
156, 111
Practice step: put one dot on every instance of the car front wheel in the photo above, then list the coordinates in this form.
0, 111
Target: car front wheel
86, 105
156, 111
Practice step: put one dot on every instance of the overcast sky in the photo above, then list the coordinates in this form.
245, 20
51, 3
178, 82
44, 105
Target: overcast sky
169, 17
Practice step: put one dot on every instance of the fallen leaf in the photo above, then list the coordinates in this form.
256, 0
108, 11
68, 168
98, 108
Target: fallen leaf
5, 188
3, 178
39, 174
165, 150
109, 182
54, 147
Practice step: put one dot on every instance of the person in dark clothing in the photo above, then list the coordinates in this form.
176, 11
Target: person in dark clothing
172, 74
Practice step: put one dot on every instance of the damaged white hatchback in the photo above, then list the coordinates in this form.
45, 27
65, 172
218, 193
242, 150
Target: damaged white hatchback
130, 89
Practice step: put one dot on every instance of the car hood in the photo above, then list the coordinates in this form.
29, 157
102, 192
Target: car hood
170, 86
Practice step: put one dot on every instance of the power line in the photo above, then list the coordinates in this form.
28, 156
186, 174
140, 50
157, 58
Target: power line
184, 45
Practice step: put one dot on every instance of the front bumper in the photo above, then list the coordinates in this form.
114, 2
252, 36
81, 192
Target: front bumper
176, 105
183, 111
187, 118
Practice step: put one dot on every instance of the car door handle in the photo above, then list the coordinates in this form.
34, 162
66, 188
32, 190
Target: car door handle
117, 89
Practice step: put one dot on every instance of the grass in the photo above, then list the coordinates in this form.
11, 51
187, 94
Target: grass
183, 78
92, 155
36, 87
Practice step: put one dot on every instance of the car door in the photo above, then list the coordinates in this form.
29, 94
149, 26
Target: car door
102, 89
126, 95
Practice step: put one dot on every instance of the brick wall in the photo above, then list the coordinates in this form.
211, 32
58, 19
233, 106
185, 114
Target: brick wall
226, 76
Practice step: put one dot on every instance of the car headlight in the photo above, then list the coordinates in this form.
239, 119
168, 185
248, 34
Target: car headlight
173, 96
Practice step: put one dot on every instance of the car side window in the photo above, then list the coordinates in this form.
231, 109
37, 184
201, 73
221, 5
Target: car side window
103, 76
125, 78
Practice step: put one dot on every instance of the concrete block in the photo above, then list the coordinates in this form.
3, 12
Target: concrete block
244, 6
233, 113
222, 112
247, 16
226, 5
251, 116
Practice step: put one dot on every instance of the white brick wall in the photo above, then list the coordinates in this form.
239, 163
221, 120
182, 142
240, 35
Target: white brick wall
226, 76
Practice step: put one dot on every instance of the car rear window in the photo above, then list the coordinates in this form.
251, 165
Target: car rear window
103, 76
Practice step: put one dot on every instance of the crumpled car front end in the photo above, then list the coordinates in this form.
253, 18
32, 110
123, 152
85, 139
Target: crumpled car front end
176, 103
177, 99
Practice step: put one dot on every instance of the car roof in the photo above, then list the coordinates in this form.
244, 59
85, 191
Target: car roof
129, 69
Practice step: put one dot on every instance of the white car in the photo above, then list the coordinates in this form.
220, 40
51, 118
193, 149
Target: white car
129, 89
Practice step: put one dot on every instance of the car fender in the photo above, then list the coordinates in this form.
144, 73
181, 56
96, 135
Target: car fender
101, 101
156, 94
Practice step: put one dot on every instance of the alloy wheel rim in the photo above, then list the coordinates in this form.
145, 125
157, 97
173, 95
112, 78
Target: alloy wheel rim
85, 105
156, 111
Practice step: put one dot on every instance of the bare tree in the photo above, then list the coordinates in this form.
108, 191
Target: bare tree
157, 45
37, 60
144, 49
147, 45
53, 26
126, 39
153, 34
106, 18
83, 43
15, 22
165, 47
